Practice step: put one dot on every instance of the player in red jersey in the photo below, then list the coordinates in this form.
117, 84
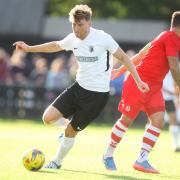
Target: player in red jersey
153, 63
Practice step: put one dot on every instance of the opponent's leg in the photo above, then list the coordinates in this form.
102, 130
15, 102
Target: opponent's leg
117, 133
150, 137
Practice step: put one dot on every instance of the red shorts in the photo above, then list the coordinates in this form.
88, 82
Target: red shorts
133, 101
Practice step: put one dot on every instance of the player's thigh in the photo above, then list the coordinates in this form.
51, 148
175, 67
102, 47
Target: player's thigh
66, 101
155, 104
89, 109
62, 106
51, 114
155, 109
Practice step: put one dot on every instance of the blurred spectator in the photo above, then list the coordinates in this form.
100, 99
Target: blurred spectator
38, 75
57, 76
18, 68
169, 95
130, 53
116, 85
4, 67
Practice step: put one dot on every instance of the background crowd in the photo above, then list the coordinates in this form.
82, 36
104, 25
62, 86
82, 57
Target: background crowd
30, 82
58, 73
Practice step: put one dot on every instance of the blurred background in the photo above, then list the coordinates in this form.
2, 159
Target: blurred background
28, 82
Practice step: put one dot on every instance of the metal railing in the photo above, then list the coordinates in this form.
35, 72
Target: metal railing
30, 102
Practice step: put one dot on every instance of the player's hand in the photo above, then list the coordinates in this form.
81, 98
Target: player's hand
20, 45
143, 87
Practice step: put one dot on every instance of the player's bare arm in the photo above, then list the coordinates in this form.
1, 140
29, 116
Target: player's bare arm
46, 47
123, 58
138, 57
175, 69
135, 60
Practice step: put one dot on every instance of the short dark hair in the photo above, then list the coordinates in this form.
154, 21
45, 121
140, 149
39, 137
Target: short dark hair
80, 12
175, 21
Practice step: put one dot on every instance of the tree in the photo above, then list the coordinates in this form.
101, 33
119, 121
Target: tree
127, 9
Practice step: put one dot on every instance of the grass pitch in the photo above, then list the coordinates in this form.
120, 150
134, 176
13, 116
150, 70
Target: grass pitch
84, 162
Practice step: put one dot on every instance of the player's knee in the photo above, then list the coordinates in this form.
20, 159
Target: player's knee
158, 124
126, 120
46, 119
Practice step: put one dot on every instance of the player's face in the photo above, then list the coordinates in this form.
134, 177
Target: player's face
81, 28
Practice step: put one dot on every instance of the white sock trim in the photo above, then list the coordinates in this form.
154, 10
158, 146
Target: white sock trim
154, 128
121, 125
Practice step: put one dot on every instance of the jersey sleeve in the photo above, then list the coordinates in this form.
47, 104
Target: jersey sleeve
171, 46
110, 44
66, 43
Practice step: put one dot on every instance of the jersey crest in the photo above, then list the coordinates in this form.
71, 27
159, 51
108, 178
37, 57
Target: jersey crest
91, 49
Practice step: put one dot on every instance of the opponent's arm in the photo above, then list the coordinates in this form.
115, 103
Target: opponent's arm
135, 60
123, 58
46, 47
175, 71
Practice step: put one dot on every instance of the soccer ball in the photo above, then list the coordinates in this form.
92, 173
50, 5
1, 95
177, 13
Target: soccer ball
33, 160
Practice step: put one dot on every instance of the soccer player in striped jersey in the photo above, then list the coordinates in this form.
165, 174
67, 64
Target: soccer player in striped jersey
153, 63
86, 98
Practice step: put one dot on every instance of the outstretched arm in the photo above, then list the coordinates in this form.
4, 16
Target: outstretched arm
46, 47
135, 60
123, 58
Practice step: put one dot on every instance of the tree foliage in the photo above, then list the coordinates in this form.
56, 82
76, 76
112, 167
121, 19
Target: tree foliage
127, 9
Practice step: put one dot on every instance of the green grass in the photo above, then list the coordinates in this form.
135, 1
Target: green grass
84, 161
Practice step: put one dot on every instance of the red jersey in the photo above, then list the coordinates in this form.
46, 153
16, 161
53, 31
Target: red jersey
152, 69
154, 66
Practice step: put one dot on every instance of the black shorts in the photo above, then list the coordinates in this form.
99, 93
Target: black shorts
83, 105
170, 106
